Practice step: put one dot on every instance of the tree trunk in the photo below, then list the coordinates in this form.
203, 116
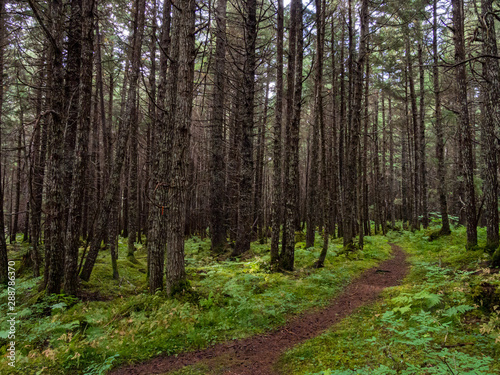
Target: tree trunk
246, 174
157, 221
81, 152
55, 204
277, 131
183, 54
218, 168
490, 111
3, 245
441, 169
313, 182
354, 132
291, 162
465, 126
421, 135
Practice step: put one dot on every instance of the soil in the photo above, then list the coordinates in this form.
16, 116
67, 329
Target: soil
257, 354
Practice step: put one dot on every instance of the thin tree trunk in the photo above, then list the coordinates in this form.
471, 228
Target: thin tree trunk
441, 169
354, 132
109, 200
291, 162
3, 245
421, 135
277, 131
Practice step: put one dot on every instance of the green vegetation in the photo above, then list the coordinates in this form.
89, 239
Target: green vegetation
121, 323
444, 318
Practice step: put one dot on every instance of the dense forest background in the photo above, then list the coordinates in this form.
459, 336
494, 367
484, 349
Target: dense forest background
241, 121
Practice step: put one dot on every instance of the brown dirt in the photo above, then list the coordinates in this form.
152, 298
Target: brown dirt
257, 354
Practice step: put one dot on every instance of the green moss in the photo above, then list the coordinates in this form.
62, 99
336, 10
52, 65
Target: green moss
224, 300
429, 322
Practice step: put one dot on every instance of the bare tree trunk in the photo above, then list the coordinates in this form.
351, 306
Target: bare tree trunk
246, 174
81, 152
218, 169
157, 221
278, 111
37, 173
54, 204
291, 162
465, 126
312, 198
3, 245
183, 47
421, 135
392, 190
354, 132
441, 169
490, 111
258, 210
415, 224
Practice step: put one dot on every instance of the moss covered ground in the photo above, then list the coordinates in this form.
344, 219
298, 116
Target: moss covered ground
119, 322
443, 319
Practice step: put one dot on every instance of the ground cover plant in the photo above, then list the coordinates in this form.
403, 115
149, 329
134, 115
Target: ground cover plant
443, 319
119, 322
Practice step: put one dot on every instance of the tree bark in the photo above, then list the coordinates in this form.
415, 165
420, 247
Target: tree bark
246, 174
465, 126
276, 214
183, 55
81, 152
291, 162
218, 169
354, 132
490, 111
441, 168
3, 245
157, 221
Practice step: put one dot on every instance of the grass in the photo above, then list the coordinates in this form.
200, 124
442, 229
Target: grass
439, 321
121, 323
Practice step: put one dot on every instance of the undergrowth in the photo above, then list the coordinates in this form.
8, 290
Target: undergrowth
439, 321
118, 322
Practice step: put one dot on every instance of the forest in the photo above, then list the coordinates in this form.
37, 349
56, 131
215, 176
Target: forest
249, 187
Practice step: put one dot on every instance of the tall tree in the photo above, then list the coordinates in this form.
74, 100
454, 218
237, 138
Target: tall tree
246, 173
3, 244
293, 110
218, 169
441, 169
157, 220
81, 153
490, 114
312, 197
183, 55
54, 202
276, 210
465, 125
354, 132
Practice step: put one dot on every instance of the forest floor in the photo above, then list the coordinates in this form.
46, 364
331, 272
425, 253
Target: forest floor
436, 312
257, 355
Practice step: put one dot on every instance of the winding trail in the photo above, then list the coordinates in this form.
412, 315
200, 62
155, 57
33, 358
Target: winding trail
257, 354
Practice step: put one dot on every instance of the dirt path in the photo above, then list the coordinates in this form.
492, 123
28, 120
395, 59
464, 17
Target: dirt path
257, 354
